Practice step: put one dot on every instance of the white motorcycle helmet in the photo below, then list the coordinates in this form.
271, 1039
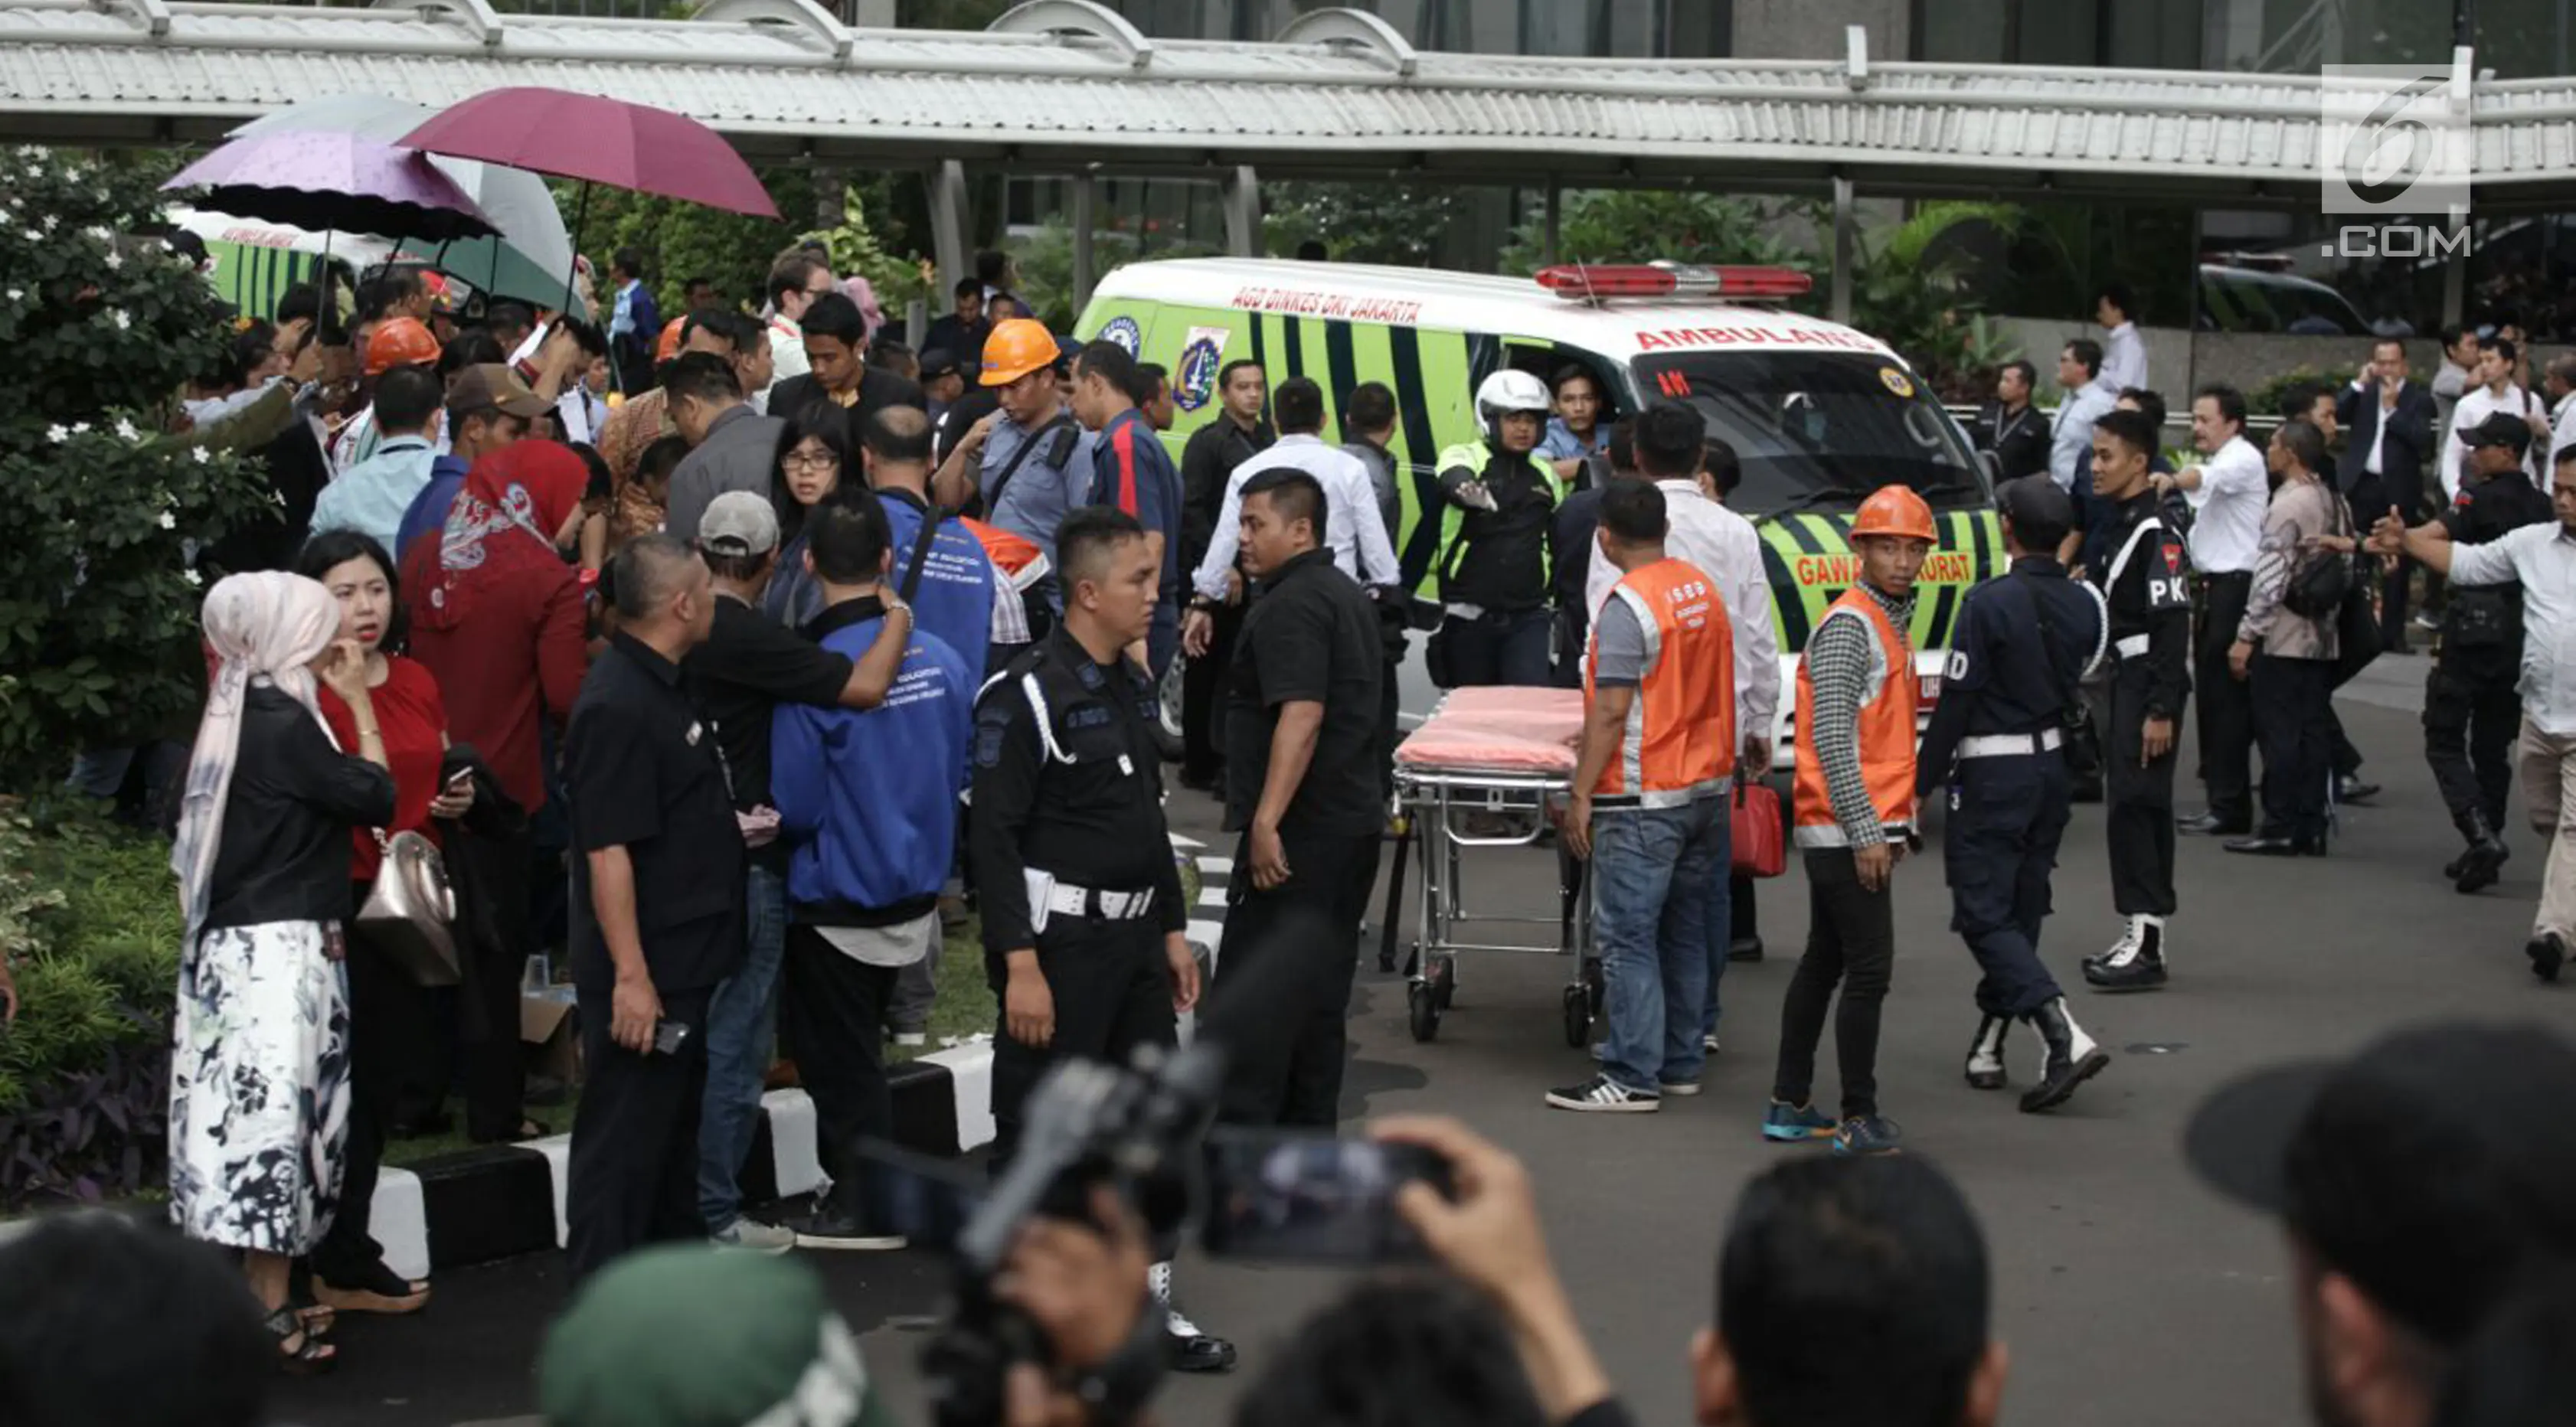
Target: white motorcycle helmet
1506, 392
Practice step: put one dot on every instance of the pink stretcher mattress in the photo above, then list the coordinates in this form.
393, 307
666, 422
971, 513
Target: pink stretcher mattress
1503, 730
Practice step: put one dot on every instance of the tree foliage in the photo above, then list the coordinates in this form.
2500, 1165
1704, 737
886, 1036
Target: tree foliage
98, 608
1393, 222
1639, 225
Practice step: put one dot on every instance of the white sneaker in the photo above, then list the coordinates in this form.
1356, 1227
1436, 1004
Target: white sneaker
751, 1236
1709, 1042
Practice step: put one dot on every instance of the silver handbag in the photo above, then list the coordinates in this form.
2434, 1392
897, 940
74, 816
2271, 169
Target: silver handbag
410, 914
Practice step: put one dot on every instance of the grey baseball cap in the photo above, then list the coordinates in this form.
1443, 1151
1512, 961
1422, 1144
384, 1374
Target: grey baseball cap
738, 523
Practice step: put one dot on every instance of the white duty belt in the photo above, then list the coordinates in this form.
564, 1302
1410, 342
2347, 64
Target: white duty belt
2011, 745
1066, 900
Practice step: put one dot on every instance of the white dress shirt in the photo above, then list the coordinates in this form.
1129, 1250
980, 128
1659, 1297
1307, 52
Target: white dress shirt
2543, 558
579, 415
2070, 438
2475, 407
2562, 432
1352, 530
1726, 548
786, 350
2227, 509
2124, 360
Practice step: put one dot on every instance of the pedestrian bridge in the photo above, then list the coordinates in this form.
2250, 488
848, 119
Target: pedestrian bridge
1068, 87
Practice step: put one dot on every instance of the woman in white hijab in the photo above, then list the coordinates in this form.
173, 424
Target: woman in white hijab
259, 1079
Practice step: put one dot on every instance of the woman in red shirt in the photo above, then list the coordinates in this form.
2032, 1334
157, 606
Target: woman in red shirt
386, 1012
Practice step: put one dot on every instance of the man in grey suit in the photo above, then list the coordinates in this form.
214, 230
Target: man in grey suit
731, 446
2388, 425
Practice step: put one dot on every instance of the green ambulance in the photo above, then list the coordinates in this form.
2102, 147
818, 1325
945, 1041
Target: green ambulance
1819, 414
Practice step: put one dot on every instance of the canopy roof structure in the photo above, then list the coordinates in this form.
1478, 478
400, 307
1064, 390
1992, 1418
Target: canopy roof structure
1067, 87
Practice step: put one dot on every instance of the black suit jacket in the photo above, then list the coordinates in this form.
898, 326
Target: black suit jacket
878, 389
2409, 452
2020, 443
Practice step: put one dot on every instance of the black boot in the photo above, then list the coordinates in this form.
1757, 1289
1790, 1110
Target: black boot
1986, 1053
2073, 1058
2135, 963
2483, 863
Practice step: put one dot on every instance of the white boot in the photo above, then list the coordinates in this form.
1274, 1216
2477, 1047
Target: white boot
1986, 1053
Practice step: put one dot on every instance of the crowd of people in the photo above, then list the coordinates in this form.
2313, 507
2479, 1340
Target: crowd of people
728, 653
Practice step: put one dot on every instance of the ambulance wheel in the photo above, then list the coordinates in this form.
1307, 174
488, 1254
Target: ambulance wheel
1578, 1017
1422, 1006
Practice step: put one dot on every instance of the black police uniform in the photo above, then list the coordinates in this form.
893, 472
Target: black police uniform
2020, 646
1068, 785
642, 772
2147, 584
2472, 712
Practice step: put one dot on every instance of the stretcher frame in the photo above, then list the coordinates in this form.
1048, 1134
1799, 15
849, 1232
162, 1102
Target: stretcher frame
1430, 802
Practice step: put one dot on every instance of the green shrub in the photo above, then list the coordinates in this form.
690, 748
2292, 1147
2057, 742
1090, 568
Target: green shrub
98, 612
88, 913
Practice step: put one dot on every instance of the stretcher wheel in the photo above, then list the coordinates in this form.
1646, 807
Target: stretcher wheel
1578, 1017
1422, 1006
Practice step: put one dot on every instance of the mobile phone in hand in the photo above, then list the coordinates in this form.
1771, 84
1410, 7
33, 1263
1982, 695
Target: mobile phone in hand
669, 1036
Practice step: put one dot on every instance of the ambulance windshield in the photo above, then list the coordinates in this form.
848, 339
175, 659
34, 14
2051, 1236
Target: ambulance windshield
1821, 430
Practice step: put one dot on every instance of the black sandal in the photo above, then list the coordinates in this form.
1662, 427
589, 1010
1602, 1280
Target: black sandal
310, 1356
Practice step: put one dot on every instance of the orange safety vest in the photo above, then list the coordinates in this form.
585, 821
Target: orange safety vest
1018, 559
1680, 740
1885, 726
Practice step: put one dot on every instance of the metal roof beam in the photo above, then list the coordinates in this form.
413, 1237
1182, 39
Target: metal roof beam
154, 14
477, 17
1087, 18
797, 14
1345, 28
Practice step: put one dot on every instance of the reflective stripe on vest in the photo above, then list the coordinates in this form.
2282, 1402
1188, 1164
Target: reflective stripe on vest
1680, 740
1885, 727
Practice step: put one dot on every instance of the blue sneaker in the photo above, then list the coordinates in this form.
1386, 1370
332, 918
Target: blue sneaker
1795, 1124
1868, 1134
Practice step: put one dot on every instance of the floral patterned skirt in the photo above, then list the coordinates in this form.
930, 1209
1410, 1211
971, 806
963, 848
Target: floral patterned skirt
259, 1088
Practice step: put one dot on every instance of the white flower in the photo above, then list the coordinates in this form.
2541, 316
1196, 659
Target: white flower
35, 237
198, 453
169, 521
51, 222
192, 577
80, 428
125, 430
17, 294
115, 260
124, 322
58, 433
101, 232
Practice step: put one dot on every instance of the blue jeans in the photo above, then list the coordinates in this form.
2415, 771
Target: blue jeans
1720, 914
741, 1033
1653, 872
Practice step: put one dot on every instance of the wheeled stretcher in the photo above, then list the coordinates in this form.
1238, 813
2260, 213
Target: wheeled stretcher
1485, 770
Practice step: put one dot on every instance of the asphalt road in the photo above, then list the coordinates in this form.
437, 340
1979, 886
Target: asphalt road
2127, 1293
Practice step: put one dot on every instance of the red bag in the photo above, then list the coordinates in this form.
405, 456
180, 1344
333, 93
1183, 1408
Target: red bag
1761, 849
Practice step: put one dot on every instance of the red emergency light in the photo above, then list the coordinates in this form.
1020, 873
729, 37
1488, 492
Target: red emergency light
1585, 282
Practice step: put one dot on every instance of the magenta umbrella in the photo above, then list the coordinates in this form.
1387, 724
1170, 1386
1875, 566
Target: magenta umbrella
324, 182
596, 140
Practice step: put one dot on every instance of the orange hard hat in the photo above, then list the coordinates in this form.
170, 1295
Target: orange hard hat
1895, 510
1016, 348
399, 342
667, 346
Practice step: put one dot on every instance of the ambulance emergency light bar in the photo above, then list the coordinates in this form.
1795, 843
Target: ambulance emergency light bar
1589, 282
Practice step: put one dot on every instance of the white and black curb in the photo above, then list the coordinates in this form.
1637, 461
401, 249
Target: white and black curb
486, 1204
